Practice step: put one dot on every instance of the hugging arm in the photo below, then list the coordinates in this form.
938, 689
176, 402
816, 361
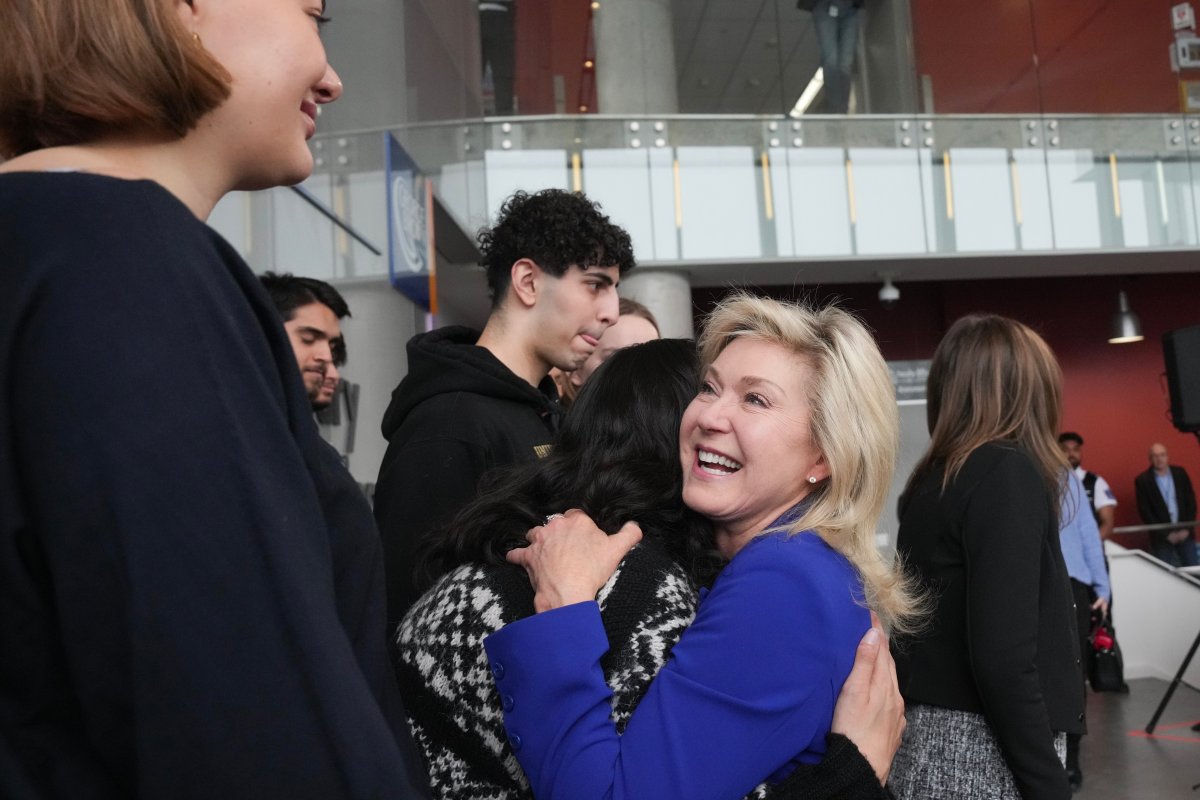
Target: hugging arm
742, 695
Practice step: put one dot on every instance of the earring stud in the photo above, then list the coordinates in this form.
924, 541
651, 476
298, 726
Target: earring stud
812, 479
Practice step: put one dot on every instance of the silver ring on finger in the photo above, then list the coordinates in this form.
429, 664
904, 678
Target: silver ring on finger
551, 517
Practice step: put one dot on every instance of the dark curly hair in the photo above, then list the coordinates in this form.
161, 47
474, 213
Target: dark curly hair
616, 457
557, 230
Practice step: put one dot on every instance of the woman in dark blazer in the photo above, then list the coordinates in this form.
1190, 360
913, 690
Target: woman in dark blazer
992, 685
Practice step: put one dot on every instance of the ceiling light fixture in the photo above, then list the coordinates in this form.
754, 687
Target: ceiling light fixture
809, 94
1125, 326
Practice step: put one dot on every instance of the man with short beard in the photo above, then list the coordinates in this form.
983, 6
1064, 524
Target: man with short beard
312, 311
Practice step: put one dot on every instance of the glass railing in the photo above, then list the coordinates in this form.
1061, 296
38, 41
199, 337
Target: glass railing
739, 188
332, 226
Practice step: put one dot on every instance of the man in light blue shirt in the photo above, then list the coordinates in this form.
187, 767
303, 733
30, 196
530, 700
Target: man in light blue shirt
1083, 553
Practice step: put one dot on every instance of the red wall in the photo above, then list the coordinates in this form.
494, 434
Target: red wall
1115, 396
1090, 56
551, 35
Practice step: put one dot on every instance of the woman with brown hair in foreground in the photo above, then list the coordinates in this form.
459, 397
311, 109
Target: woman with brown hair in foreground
191, 601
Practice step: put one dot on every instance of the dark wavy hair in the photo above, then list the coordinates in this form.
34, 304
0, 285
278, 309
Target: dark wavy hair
288, 292
616, 457
554, 228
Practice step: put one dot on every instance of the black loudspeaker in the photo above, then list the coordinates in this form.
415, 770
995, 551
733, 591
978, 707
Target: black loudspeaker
1181, 352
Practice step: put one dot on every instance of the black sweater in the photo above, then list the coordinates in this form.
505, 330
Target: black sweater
191, 589
1002, 639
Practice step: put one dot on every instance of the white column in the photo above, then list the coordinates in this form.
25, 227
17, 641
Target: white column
635, 57
667, 294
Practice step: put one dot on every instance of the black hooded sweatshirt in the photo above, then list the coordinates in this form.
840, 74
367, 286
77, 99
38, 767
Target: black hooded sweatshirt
457, 414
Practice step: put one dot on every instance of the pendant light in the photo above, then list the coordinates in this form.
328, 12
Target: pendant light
1125, 327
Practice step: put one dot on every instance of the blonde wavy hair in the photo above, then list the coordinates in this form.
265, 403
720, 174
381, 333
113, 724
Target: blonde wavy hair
854, 423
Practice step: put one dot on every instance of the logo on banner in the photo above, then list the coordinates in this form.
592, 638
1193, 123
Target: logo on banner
410, 222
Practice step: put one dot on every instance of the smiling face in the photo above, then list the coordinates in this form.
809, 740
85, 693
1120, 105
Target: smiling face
324, 398
572, 312
272, 50
745, 441
312, 330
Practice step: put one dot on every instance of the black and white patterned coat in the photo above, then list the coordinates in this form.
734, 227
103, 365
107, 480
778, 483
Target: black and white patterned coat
452, 703
454, 708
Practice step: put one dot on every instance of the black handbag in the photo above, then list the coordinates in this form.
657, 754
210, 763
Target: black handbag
1106, 667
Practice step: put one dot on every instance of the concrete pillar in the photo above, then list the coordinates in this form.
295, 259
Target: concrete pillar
635, 57
667, 294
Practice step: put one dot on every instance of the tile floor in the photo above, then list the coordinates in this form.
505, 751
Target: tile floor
1120, 762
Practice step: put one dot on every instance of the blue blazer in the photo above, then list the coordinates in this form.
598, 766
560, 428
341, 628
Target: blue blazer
747, 694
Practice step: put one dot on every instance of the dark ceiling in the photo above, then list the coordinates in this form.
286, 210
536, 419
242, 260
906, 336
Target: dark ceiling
742, 56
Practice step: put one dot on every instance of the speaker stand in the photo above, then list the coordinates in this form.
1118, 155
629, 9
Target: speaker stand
1174, 684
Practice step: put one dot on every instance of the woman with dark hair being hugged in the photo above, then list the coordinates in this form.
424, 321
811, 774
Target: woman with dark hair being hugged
616, 456
992, 686
191, 597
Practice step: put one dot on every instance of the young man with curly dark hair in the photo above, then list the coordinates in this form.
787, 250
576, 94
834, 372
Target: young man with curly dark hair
473, 401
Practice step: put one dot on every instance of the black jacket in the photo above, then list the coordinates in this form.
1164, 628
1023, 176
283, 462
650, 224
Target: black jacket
457, 414
1153, 508
191, 584
1002, 639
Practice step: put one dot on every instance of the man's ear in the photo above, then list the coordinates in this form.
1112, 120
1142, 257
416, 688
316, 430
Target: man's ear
525, 280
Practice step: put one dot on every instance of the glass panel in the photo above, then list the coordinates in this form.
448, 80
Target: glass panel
721, 188
304, 241
975, 186
1115, 181
620, 181
812, 202
719, 203
887, 202
1031, 181
530, 170
231, 218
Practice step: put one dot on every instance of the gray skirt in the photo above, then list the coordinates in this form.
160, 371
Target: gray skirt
951, 754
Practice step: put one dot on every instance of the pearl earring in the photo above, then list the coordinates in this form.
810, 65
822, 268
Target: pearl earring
812, 479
